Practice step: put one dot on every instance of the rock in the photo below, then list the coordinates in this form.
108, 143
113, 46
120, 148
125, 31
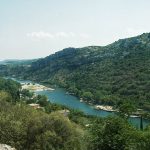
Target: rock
6, 147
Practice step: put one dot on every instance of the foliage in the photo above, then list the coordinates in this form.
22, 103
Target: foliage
116, 134
10, 87
126, 109
29, 129
26, 93
4, 96
26, 128
109, 74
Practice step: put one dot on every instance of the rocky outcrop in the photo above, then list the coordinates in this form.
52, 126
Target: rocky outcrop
6, 147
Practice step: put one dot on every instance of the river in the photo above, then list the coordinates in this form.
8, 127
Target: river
59, 96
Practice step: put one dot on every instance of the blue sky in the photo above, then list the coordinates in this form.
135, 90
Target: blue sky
37, 28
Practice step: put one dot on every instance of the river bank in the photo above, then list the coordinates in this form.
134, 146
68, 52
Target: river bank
35, 87
38, 87
59, 96
105, 107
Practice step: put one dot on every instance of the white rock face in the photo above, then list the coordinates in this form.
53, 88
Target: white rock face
6, 147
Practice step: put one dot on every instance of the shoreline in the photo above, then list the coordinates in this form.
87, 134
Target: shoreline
35, 87
105, 107
110, 109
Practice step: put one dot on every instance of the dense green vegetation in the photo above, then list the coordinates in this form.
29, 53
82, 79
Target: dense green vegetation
108, 75
17, 62
116, 134
26, 128
10, 87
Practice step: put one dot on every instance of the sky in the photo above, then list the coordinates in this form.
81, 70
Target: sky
37, 28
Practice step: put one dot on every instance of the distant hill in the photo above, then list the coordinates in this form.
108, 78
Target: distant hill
16, 62
108, 74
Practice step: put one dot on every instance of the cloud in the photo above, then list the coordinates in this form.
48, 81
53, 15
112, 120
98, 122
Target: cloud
57, 35
40, 35
65, 35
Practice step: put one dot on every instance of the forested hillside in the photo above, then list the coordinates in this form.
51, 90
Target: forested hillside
109, 74
45, 128
11, 88
17, 62
26, 128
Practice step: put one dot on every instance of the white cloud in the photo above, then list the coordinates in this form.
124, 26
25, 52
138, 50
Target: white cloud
57, 35
62, 34
40, 35
65, 35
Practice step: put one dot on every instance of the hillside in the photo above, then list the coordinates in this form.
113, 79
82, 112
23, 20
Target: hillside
47, 127
108, 74
17, 62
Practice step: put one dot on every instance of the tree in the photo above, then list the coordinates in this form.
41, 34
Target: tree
25, 128
126, 109
88, 95
42, 100
112, 134
11, 87
26, 93
5, 96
